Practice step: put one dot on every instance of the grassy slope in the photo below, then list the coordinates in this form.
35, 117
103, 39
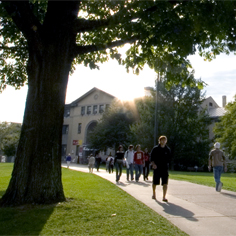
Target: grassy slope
94, 207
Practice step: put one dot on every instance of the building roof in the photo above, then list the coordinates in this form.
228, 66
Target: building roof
88, 93
216, 112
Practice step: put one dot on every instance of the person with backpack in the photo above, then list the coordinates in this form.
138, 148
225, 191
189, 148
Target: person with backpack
129, 157
217, 160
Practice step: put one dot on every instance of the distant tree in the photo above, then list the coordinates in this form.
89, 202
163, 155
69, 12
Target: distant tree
9, 137
180, 119
224, 130
142, 130
114, 127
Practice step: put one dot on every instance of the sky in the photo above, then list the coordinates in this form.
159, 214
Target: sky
219, 75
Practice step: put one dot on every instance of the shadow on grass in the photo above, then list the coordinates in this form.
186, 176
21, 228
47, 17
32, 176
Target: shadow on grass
24, 220
2, 193
176, 210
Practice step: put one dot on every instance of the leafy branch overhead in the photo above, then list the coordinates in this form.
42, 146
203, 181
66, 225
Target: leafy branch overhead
161, 33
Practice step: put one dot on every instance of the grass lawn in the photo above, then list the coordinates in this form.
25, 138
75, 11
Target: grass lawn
94, 207
204, 178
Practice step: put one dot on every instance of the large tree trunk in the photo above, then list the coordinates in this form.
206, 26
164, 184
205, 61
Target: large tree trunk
36, 176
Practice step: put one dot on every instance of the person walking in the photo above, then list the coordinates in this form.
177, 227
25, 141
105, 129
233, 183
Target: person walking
98, 160
91, 162
217, 160
129, 157
108, 161
119, 160
146, 164
160, 160
111, 165
68, 160
139, 162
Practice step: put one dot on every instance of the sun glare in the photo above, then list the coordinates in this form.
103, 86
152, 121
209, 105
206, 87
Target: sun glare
129, 93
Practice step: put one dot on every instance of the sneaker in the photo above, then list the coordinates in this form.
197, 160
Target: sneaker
219, 186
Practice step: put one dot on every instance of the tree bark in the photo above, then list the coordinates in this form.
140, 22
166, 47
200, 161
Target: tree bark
36, 177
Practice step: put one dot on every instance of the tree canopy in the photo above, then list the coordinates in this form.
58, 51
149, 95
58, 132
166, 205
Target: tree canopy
114, 127
42, 41
161, 33
179, 118
9, 137
224, 130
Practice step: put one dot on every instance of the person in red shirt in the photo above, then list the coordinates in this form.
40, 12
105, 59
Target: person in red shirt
139, 162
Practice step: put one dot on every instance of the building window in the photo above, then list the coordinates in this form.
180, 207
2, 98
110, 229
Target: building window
82, 111
65, 129
67, 113
101, 108
95, 109
79, 128
210, 104
89, 109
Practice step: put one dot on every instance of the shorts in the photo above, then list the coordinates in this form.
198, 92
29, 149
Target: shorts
157, 175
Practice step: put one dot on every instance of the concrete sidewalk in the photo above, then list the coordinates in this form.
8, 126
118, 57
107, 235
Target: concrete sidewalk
196, 209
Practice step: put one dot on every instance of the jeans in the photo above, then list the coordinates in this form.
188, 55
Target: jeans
119, 167
146, 170
138, 171
131, 171
217, 170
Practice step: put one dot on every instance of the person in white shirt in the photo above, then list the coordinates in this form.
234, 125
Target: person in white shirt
129, 157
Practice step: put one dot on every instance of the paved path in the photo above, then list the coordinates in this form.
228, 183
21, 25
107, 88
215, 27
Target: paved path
196, 209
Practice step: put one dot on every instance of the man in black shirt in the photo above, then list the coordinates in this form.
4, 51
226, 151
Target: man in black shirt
160, 159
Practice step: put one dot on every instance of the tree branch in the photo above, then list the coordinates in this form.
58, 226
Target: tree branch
13, 49
83, 25
94, 48
23, 17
